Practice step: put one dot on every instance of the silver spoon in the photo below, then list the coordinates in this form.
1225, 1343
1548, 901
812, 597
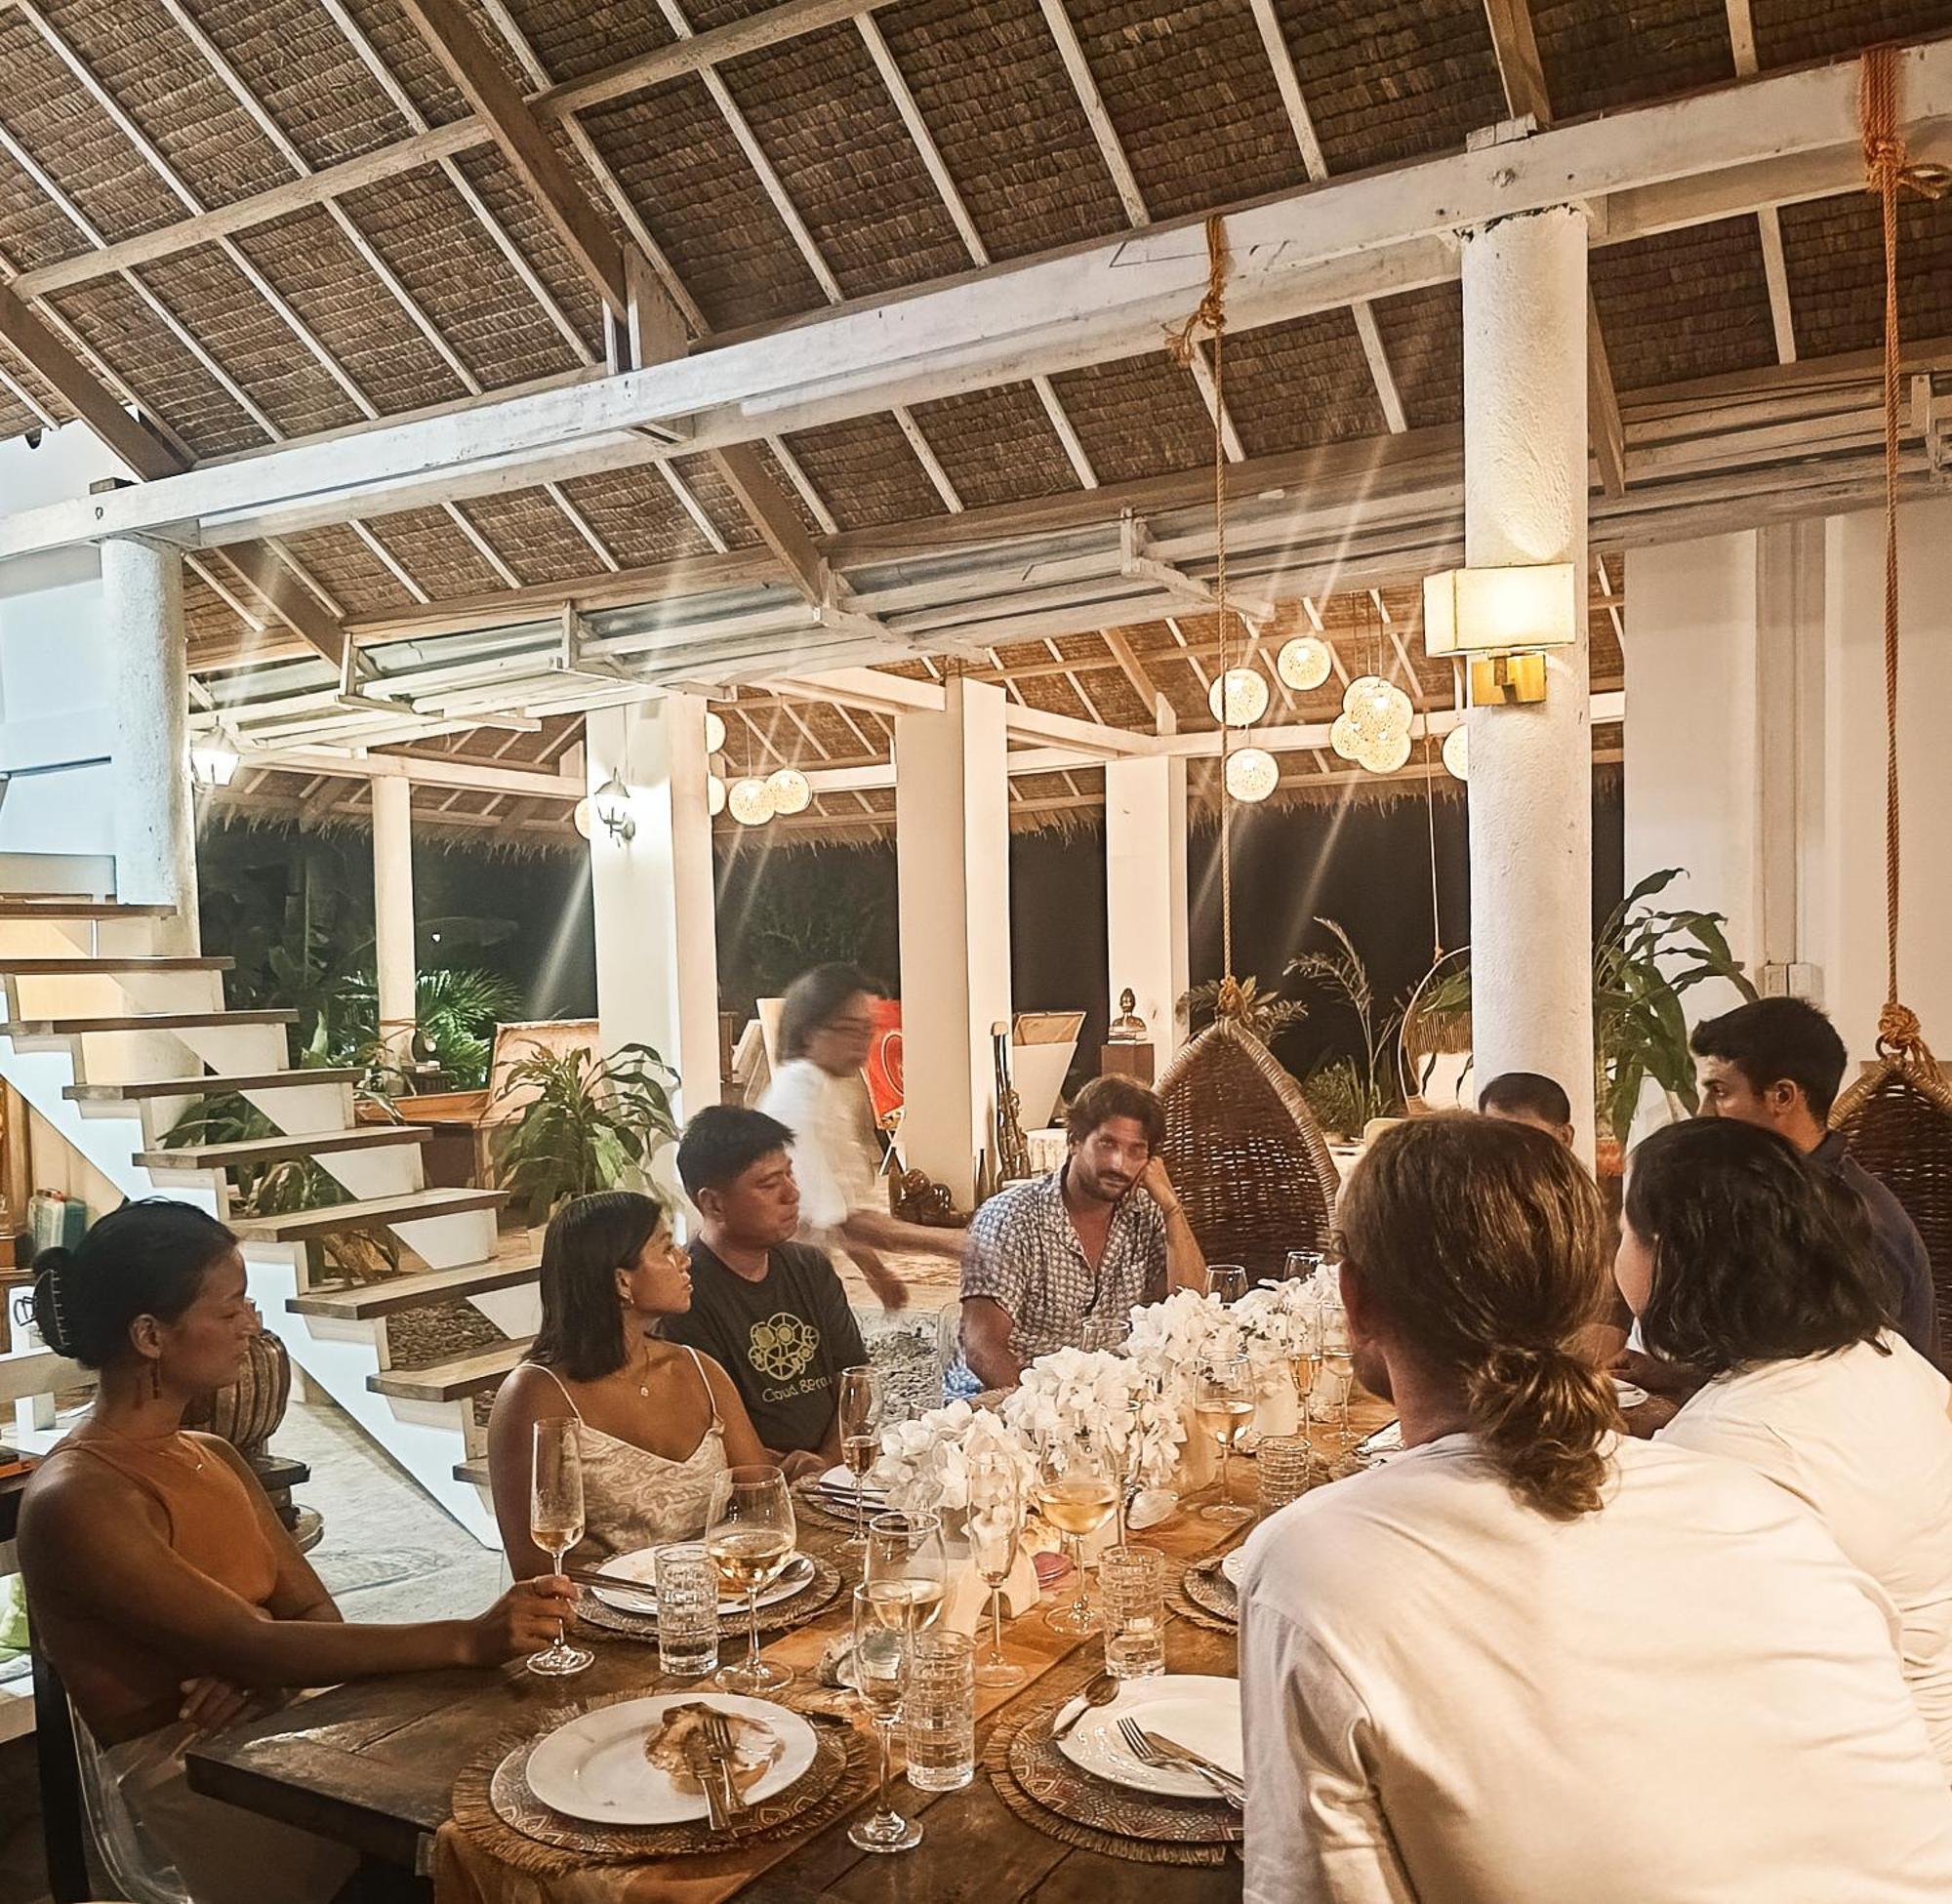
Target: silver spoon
1100, 1690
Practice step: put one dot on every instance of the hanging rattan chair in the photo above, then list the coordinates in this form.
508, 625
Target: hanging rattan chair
1244, 1151
1897, 1121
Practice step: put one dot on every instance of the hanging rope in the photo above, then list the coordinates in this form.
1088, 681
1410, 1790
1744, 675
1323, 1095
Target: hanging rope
1889, 172
1183, 344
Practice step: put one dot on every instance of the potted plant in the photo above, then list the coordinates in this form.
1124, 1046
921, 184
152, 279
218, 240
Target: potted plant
583, 1124
1346, 1093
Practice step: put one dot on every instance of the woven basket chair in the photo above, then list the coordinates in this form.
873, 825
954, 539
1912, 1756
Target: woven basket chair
1897, 1121
1244, 1151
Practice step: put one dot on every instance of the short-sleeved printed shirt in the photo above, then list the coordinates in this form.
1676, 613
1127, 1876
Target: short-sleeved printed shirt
1023, 1254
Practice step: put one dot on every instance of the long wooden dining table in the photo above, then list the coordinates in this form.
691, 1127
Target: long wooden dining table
372, 1764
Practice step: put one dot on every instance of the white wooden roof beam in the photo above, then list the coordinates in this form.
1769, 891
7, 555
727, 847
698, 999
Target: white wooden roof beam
1769, 226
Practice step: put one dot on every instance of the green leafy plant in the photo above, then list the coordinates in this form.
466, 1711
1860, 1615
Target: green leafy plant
1265, 1014
456, 1009
590, 1125
1364, 1084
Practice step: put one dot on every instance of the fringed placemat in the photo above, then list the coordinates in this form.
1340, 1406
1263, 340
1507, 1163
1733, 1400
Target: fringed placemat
812, 1505
1207, 1598
493, 1805
1050, 1794
782, 1616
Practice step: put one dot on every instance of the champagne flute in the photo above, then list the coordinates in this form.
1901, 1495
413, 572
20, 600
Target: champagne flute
555, 1524
1077, 1488
996, 1529
883, 1641
750, 1533
1339, 1362
906, 1557
1226, 1282
859, 1415
1222, 1405
1304, 1353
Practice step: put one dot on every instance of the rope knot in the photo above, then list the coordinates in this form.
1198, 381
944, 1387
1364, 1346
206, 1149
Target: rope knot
1210, 313
1899, 1028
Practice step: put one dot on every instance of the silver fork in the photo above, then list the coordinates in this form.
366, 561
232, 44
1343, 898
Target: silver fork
1174, 1756
718, 1737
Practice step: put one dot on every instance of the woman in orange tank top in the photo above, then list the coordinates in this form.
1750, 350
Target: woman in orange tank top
161, 1585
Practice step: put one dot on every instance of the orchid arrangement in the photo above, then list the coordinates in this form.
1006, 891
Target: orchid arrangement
924, 1464
1170, 1339
1278, 1322
1122, 1403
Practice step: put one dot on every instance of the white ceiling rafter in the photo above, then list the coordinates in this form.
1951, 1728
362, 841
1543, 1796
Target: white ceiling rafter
1769, 225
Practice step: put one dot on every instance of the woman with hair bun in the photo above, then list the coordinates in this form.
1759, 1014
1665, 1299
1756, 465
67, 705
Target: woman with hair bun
1531, 1660
161, 1585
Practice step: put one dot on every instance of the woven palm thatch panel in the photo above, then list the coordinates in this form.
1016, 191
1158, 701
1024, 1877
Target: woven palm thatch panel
866, 472
350, 570
1598, 55
1137, 416
1423, 337
1790, 31
641, 520
998, 446
1292, 385
571, 37
1834, 249
1387, 80
532, 536
1244, 1151
1898, 1122
441, 559
517, 212
1712, 271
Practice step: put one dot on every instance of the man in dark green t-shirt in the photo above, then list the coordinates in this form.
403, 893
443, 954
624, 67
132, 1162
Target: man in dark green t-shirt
769, 1309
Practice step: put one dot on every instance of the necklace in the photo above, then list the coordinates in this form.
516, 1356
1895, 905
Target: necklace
646, 1364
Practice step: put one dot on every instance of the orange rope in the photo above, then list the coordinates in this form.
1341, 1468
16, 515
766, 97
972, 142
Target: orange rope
1183, 346
1890, 172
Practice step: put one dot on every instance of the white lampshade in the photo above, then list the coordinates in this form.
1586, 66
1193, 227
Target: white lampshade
714, 796
1251, 774
1344, 736
1246, 697
750, 802
791, 790
1457, 751
1386, 754
715, 733
1304, 663
1370, 708
212, 762
584, 816
1486, 611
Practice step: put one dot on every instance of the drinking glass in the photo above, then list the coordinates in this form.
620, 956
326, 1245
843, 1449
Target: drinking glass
1337, 1361
1286, 1467
555, 1524
687, 1611
1222, 1405
938, 1711
1298, 1265
1078, 1487
906, 1556
1131, 1585
859, 1406
883, 1640
995, 1530
750, 1533
1226, 1282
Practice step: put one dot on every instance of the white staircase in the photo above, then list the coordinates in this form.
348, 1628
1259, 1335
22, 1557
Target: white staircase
112, 1039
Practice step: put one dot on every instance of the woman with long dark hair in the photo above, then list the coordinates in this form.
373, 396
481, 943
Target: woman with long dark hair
1530, 1660
1745, 1264
160, 1583
660, 1423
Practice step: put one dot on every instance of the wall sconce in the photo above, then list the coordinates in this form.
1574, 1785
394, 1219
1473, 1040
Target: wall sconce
212, 762
1502, 619
609, 807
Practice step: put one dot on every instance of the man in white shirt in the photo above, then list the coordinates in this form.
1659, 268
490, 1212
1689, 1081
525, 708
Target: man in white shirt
1530, 1662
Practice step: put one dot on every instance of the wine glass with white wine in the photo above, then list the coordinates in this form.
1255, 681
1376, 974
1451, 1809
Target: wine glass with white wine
555, 1524
1338, 1362
907, 1564
1077, 1490
1223, 1407
750, 1534
995, 1530
859, 1416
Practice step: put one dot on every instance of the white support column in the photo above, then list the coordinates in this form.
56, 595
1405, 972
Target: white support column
1531, 768
656, 907
393, 910
1144, 892
155, 821
952, 854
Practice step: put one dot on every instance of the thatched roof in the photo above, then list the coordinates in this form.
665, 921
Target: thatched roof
240, 306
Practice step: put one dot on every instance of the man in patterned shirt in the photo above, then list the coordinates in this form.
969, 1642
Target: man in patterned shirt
1063, 1262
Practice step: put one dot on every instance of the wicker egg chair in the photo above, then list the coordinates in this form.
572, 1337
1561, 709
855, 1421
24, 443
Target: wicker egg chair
1897, 1121
1244, 1151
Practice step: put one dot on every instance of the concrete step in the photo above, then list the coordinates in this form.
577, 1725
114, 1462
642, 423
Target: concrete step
399, 1292
273, 1149
67, 968
53, 906
452, 1380
215, 1084
141, 1020
372, 1213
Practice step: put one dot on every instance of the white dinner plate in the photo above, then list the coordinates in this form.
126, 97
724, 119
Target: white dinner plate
1234, 1567
643, 1565
837, 1480
1194, 1709
595, 1766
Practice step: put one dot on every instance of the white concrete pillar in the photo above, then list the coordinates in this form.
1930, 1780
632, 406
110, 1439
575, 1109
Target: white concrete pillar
1531, 768
656, 908
393, 910
953, 855
1144, 892
155, 821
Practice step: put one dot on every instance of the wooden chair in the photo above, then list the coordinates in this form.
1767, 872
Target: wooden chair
1244, 1152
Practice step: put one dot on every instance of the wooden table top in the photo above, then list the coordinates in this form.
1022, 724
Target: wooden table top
372, 1764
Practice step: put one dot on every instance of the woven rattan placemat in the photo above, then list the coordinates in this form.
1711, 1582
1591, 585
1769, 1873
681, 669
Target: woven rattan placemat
813, 1599
1206, 1597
